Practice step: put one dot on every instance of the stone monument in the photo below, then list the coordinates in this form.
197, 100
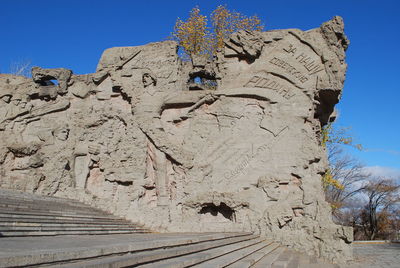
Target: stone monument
232, 144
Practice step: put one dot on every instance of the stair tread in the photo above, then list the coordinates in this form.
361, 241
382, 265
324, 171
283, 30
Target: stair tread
43, 205
63, 228
55, 210
22, 251
233, 256
199, 257
295, 261
154, 255
57, 233
31, 203
6, 214
52, 217
33, 221
25, 214
24, 195
255, 257
64, 224
268, 259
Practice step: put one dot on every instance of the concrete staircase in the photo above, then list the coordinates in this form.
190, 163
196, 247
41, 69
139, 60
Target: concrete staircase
41, 231
152, 250
23, 214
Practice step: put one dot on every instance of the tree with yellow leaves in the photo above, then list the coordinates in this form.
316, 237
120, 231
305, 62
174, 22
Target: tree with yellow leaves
226, 22
192, 34
345, 176
195, 37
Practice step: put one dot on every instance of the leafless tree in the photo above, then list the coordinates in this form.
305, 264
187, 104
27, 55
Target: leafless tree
383, 195
21, 68
350, 174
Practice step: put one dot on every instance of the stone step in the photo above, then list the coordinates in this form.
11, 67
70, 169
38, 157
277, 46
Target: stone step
41, 200
203, 256
64, 224
230, 250
324, 265
53, 212
294, 261
60, 207
16, 194
76, 232
283, 259
138, 248
75, 227
23, 214
56, 220
269, 259
57, 207
53, 215
51, 209
24, 196
286, 258
302, 260
38, 203
254, 257
305, 261
60, 215
234, 256
145, 257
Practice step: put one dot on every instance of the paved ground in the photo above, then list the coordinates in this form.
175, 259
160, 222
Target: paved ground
377, 255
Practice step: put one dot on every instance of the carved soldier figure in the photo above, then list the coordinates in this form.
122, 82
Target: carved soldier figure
84, 157
61, 133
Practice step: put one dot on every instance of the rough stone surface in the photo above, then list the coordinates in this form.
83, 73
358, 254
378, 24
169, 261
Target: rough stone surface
376, 255
143, 138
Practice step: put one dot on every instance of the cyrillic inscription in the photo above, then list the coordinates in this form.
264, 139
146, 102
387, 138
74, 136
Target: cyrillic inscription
311, 65
289, 68
262, 82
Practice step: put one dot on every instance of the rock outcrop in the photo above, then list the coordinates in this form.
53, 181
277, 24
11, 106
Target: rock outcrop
228, 145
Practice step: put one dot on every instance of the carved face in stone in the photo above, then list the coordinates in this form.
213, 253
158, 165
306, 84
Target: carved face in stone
148, 80
22, 104
6, 98
16, 101
61, 134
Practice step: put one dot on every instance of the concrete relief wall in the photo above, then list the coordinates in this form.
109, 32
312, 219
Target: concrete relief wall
144, 139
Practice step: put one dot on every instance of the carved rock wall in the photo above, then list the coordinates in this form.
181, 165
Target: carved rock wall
143, 138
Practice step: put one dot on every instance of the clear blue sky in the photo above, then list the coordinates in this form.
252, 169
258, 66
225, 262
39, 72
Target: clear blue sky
74, 33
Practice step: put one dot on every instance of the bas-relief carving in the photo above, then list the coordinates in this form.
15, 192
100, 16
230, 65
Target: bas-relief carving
133, 139
85, 156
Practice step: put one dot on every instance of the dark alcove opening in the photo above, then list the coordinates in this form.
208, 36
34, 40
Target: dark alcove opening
223, 209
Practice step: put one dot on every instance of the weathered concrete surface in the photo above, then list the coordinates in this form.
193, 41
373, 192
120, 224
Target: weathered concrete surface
19, 252
24, 214
376, 255
142, 139
154, 250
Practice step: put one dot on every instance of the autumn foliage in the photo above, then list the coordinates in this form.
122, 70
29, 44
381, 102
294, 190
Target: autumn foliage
196, 37
369, 204
225, 22
192, 34
343, 171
